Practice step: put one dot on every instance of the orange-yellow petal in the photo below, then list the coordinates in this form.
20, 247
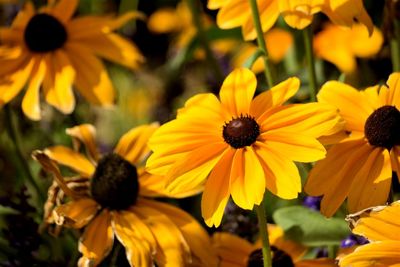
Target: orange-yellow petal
31, 100
86, 133
76, 213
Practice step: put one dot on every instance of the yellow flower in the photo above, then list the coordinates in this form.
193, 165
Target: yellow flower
278, 43
341, 46
111, 201
360, 162
297, 14
234, 251
381, 226
241, 144
48, 48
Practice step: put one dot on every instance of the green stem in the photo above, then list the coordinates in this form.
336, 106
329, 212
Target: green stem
395, 46
261, 42
197, 21
13, 134
307, 36
262, 224
332, 250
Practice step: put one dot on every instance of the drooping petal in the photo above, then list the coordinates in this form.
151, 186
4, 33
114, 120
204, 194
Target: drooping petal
217, 190
299, 14
195, 235
371, 184
215, 4
86, 133
298, 147
132, 146
77, 213
31, 100
233, 250
247, 179
238, 90
58, 82
385, 253
97, 240
276, 96
281, 175
70, 158
92, 80
137, 238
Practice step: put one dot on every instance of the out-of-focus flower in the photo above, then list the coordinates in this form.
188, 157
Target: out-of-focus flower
278, 43
297, 14
341, 46
360, 162
380, 225
313, 203
52, 50
238, 146
234, 251
114, 204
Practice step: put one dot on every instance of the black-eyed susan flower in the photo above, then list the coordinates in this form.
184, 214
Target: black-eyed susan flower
381, 226
234, 251
341, 46
50, 49
297, 14
238, 146
110, 202
278, 42
360, 162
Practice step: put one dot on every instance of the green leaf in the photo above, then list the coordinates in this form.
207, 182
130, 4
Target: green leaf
310, 227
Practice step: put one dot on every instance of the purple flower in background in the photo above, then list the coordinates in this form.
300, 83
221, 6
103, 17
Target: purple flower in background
313, 203
353, 240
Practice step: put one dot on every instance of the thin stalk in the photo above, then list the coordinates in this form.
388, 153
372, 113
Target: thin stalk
13, 134
262, 225
261, 42
197, 21
312, 77
395, 46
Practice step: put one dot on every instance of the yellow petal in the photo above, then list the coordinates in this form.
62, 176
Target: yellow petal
58, 82
64, 9
278, 43
76, 213
133, 145
215, 4
136, 237
231, 14
364, 45
247, 179
371, 184
393, 97
70, 158
92, 80
281, 175
301, 148
299, 14
31, 100
217, 190
395, 159
164, 20
276, 96
233, 250
238, 90
195, 235
97, 240
86, 133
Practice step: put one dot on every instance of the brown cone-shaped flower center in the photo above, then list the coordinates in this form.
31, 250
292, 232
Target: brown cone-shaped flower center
241, 132
382, 127
279, 258
44, 33
114, 184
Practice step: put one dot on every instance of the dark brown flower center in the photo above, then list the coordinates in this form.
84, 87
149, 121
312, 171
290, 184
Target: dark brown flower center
241, 132
279, 258
114, 184
44, 33
382, 127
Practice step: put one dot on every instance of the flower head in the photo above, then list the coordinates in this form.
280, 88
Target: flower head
110, 200
380, 225
360, 162
236, 145
50, 49
297, 14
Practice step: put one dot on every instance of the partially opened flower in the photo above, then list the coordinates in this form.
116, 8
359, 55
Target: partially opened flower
381, 226
111, 201
234, 251
238, 146
360, 162
341, 46
297, 14
50, 49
